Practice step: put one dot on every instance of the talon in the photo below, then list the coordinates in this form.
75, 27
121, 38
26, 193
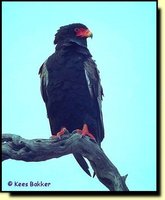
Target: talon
85, 132
59, 134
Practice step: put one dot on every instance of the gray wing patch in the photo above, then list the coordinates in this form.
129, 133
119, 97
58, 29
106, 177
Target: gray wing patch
43, 72
93, 79
96, 92
89, 83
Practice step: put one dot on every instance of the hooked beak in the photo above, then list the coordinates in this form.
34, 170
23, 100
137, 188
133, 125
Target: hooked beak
88, 33
84, 33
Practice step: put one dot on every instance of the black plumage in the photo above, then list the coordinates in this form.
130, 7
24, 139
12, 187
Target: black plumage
70, 85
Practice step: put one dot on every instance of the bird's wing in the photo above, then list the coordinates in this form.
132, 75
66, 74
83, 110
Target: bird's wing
96, 93
43, 81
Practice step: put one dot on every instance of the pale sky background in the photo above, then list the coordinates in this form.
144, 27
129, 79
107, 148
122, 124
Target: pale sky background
124, 47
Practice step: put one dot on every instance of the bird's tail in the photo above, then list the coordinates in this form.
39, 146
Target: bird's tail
81, 161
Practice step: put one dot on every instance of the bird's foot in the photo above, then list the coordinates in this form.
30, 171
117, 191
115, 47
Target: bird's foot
85, 132
59, 134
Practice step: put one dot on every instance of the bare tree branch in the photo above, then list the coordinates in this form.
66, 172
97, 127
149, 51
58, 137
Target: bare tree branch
35, 150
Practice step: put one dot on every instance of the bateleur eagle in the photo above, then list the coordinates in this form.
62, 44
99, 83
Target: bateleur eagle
71, 88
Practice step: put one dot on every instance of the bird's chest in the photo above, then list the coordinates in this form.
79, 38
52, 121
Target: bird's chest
67, 81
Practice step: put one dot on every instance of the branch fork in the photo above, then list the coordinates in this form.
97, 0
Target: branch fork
35, 150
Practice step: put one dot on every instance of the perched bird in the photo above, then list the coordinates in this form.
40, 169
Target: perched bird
70, 87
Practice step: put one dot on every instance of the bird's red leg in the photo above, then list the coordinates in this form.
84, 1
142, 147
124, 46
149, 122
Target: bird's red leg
58, 135
85, 131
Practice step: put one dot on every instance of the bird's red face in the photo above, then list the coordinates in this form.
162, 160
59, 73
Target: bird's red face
75, 32
82, 32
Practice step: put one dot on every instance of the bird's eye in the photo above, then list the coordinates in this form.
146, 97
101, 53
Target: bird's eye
76, 30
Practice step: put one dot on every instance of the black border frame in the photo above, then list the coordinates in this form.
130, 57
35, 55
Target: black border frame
158, 126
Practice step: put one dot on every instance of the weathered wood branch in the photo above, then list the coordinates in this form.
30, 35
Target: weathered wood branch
35, 150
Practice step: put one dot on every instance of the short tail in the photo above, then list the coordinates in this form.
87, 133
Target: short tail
81, 161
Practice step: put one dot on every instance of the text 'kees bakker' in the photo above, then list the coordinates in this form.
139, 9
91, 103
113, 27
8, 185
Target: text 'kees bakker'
29, 184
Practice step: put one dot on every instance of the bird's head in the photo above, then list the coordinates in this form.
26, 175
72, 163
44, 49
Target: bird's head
76, 32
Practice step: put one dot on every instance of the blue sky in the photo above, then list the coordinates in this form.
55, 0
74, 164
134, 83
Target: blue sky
124, 47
